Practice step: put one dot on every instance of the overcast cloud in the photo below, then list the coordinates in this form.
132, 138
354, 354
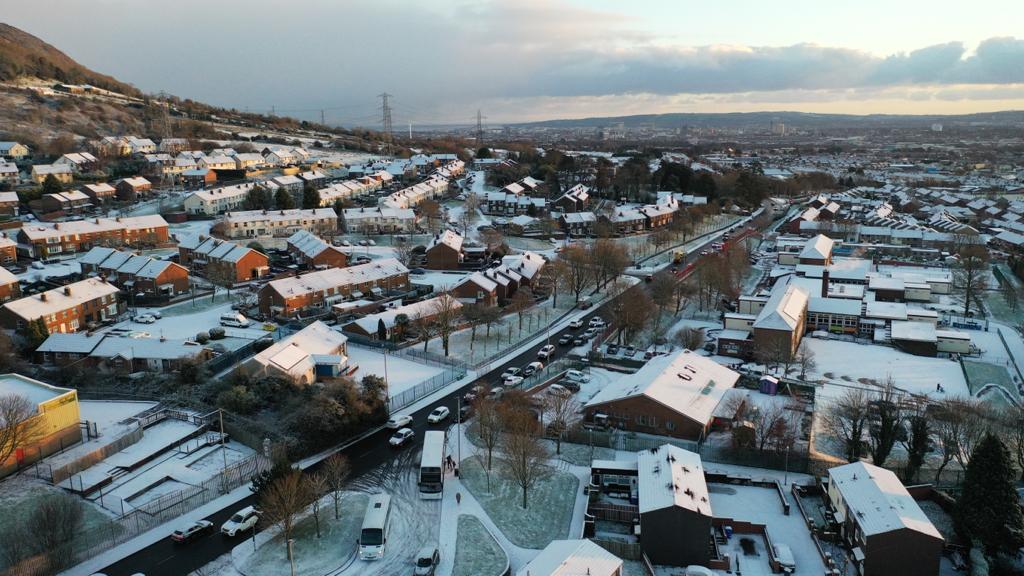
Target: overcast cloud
517, 60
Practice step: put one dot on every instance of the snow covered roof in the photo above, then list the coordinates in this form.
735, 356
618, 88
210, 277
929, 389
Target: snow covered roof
77, 343
886, 310
38, 231
687, 383
293, 355
307, 243
878, 501
335, 277
841, 306
784, 308
913, 331
669, 476
370, 322
579, 217
273, 216
447, 238
59, 299
32, 390
526, 264
391, 212
572, 558
484, 282
818, 248
148, 348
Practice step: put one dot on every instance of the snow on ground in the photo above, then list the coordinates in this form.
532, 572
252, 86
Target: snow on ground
477, 553
62, 268
107, 417
186, 319
191, 229
762, 506
401, 374
438, 279
843, 364
549, 508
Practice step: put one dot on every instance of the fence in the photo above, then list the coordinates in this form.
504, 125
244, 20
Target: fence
423, 389
614, 512
624, 550
56, 475
228, 359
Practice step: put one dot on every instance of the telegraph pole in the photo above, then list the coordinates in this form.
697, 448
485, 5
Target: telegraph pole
322, 123
385, 119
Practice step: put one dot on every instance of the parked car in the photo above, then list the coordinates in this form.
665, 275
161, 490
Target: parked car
578, 323
532, 368
545, 352
784, 556
558, 390
591, 332
192, 531
401, 438
241, 521
155, 314
513, 381
629, 351
612, 349
417, 271
144, 319
465, 411
427, 560
577, 376
234, 320
38, 265
596, 322
472, 394
510, 372
498, 391
565, 340
579, 341
398, 421
438, 415
584, 304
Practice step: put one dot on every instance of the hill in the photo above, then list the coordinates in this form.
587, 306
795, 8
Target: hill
24, 55
793, 119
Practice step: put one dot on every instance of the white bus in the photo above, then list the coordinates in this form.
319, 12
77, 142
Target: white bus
432, 465
376, 524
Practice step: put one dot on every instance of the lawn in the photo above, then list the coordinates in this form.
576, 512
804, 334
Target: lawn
476, 551
549, 504
314, 556
980, 374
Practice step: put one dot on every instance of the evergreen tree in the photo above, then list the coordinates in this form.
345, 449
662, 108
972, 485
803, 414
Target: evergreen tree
989, 509
483, 152
704, 185
51, 185
283, 200
35, 333
310, 197
262, 480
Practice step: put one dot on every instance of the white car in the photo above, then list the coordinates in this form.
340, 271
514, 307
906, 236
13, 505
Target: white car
514, 381
241, 521
532, 368
510, 373
145, 319
576, 324
577, 376
438, 415
398, 421
596, 322
558, 390
401, 437
545, 352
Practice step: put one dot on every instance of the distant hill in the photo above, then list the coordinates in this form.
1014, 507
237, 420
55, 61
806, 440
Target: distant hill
793, 119
22, 54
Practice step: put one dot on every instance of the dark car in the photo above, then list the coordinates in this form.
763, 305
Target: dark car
579, 341
565, 340
417, 271
612, 349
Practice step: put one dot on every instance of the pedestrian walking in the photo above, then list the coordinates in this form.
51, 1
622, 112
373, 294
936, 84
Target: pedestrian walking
458, 498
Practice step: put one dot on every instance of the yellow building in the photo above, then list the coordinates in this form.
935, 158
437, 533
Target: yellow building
57, 411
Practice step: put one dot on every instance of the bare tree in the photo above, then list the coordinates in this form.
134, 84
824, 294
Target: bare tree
774, 427
53, 525
283, 501
523, 454
488, 422
805, 359
1012, 423
446, 314
690, 338
19, 426
608, 259
959, 425
336, 470
521, 302
886, 421
970, 274
563, 413
426, 328
917, 440
403, 251
578, 269
846, 418
317, 486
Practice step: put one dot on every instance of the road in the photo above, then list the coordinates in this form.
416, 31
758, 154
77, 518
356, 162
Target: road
165, 558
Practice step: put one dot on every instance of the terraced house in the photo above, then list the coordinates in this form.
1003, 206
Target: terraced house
279, 223
135, 273
66, 309
222, 261
314, 293
46, 240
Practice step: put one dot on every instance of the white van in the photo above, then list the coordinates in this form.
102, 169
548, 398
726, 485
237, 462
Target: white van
234, 320
376, 525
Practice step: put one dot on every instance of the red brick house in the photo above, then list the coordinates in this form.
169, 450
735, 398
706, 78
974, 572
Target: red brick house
445, 251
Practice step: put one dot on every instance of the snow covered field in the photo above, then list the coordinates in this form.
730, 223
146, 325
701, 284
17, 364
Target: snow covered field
477, 553
402, 374
841, 364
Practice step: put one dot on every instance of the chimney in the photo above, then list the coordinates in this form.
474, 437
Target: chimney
42, 296
824, 283
67, 290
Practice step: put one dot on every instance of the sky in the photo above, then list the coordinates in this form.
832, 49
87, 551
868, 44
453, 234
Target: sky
525, 60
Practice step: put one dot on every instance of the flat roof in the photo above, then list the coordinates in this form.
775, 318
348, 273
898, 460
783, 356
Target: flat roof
32, 390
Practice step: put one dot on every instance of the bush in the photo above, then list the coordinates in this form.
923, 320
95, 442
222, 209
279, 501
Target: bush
203, 337
262, 344
238, 399
216, 333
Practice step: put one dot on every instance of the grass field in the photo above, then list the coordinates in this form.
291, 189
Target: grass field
980, 374
476, 552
